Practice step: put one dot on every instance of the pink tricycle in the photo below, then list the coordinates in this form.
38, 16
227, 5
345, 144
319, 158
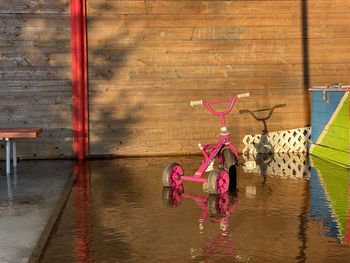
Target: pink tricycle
220, 179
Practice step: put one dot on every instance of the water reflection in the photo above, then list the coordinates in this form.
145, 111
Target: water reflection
327, 198
216, 208
121, 213
11, 185
28, 196
13, 200
82, 194
330, 198
286, 165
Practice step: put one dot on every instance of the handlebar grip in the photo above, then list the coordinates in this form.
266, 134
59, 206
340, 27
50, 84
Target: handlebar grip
243, 95
196, 102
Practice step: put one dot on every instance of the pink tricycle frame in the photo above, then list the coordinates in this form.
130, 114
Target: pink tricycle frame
210, 151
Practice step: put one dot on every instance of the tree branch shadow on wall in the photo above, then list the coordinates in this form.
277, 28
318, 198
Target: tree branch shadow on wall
112, 114
36, 78
36, 75
113, 110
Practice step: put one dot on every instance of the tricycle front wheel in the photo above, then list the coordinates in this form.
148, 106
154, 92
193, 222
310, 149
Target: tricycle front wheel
171, 176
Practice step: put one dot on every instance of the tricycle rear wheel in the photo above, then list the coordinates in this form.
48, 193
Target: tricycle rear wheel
218, 181
230, 162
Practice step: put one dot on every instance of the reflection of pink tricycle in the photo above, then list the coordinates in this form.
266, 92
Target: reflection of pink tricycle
224, 176
218, 208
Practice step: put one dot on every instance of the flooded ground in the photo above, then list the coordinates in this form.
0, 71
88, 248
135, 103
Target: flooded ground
28, 197
283, 211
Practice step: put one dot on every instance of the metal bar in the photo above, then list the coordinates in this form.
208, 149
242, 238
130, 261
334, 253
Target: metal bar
332, 86
14, 153
8, 155
197, 198
194, 179
330, 89
214, 152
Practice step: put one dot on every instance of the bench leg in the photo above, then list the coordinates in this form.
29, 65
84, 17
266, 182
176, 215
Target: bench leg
8, 156
9, 187
15, 176
14, 153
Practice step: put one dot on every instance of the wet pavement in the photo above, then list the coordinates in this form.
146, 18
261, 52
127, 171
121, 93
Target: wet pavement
28, 198
283, 210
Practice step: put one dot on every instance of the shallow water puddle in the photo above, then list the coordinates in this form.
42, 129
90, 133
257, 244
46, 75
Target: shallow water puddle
119, 212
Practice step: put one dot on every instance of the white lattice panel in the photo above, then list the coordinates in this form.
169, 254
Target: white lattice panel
288, 141
279, 164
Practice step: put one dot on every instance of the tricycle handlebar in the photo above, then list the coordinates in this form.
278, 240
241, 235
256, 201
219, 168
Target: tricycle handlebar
208, 105
243, 95
196, 102
201, 102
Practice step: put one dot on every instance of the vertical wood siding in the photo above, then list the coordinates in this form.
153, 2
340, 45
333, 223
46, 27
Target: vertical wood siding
148, 59
35, 73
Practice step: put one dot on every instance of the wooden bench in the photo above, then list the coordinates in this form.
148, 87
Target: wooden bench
10, 135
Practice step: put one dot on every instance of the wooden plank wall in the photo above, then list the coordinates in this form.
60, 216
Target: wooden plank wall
148, 59
35, 73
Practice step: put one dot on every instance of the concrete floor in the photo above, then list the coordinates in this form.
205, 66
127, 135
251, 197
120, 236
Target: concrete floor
28, 198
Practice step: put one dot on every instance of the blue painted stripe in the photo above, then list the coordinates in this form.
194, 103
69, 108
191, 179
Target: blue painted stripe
324, 108
334, 97
322, 112
320, 206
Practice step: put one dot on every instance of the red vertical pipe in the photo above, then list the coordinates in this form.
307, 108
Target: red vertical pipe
79, 78
86, 99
